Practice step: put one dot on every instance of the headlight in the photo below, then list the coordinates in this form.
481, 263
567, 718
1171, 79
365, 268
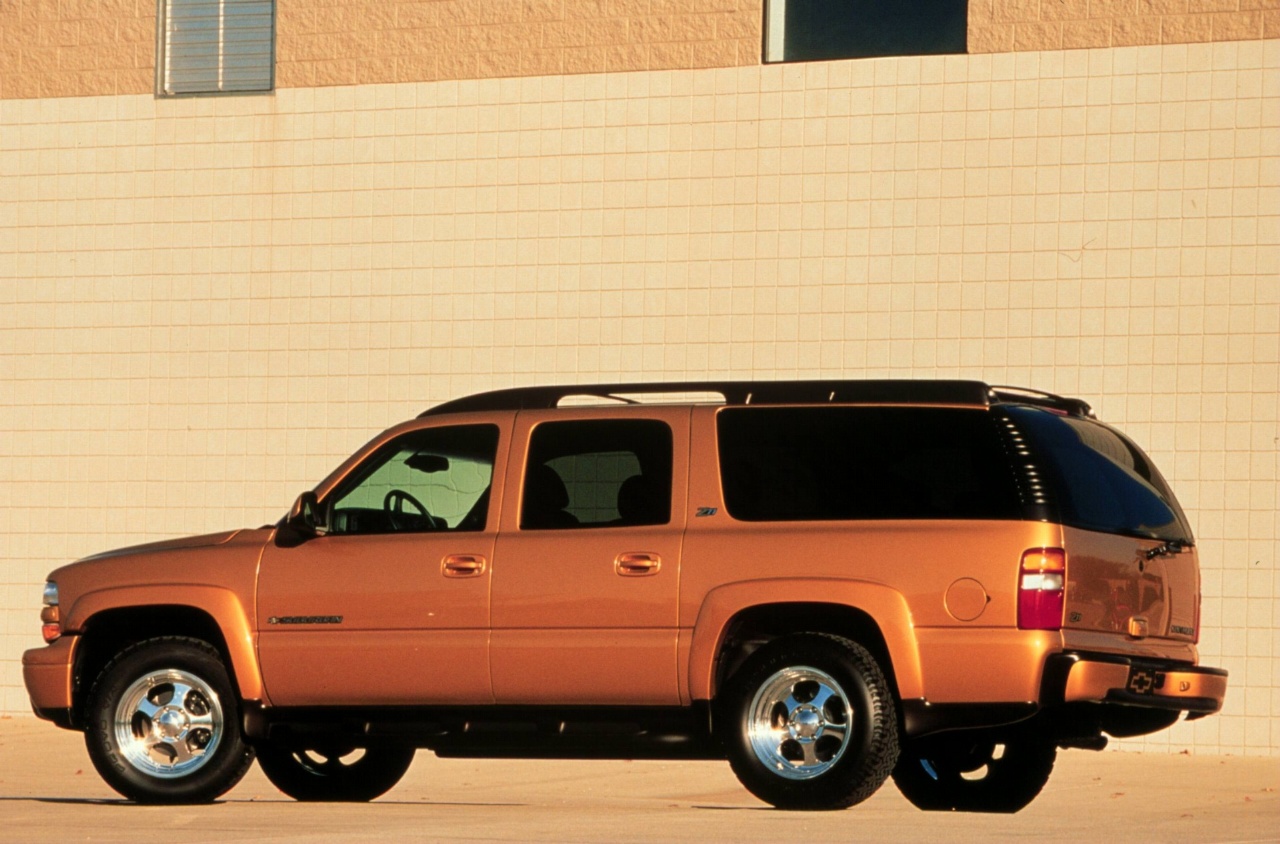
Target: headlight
51, 616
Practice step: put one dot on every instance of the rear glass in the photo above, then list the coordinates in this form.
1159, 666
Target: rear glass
788, 464
1101, 480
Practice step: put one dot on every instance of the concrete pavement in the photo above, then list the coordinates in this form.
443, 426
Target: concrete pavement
50, 792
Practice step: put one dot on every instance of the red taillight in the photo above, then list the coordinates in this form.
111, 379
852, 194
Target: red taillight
51, 633
1041, 588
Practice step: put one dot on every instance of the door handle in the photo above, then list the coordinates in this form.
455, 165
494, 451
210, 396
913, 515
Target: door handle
462, 565
636, 564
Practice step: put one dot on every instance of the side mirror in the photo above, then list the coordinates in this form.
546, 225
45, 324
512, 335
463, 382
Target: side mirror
305, 516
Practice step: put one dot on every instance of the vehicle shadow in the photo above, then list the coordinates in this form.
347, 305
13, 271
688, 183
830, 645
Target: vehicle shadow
120, 801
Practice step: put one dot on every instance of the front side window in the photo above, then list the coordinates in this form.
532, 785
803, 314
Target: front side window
811, 30
431, 480
597, 473
215, 46
794, 464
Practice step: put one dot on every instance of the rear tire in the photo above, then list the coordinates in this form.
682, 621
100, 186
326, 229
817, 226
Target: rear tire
335, 774
163, 723
955, 772
809, 723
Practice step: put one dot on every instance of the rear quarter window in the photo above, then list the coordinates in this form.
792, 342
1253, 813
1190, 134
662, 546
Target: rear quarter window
825, 463
1099, 479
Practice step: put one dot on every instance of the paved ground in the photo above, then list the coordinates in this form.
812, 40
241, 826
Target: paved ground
50, 792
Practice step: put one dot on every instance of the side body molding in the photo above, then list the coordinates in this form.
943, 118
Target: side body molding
886, 607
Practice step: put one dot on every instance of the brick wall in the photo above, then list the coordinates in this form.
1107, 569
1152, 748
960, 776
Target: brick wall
101, 47
1001, 26
67, 48
334, 42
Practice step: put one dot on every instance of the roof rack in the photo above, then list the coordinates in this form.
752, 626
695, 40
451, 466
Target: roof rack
888, 391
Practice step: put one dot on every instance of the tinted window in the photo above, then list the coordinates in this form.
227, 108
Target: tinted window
435, 479
863, 463
597, 473
1101, 481
808, 30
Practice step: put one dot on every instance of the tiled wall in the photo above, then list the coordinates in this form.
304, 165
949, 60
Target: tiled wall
205, 304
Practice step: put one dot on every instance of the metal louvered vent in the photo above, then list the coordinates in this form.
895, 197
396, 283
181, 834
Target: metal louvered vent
216, 46
1034, 489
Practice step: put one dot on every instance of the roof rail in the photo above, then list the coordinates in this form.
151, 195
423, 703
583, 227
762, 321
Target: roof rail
889, 391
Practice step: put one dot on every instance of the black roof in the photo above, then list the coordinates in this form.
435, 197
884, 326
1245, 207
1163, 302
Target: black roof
888, 391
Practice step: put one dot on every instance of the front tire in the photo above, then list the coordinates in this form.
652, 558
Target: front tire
164, 723
809, 722
955, 772
335, 774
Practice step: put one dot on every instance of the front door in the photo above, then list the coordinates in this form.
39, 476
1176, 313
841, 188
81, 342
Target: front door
587, 566
391, 605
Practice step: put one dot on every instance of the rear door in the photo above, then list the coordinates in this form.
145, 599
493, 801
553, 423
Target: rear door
587, 565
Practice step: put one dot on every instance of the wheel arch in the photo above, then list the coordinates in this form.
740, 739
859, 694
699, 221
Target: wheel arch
115, 625
736, 620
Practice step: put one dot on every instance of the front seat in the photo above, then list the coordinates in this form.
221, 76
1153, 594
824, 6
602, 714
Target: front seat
545, 500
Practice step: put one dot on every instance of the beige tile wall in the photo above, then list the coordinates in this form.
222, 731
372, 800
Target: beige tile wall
205, 304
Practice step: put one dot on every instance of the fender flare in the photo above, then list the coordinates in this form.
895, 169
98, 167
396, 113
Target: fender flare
218, 603
886, 607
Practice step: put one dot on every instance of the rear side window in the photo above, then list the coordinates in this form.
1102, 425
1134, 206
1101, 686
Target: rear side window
787, 464
1099, 479
597, 473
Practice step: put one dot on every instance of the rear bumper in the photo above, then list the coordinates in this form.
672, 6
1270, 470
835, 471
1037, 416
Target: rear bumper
1153, 684
48, 673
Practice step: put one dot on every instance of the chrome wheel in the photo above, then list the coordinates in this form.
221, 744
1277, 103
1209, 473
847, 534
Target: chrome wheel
799, 722
168, 723
809, 722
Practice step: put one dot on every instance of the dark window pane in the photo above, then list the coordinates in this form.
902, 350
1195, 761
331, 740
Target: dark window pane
1102, 481
788, 464
850, 29
597, 473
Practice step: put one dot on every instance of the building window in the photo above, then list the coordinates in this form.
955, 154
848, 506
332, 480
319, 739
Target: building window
215, 46
812, 30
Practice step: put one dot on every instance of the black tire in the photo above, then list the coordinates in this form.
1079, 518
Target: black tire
335, 774
955, 772
163, 723
809, 722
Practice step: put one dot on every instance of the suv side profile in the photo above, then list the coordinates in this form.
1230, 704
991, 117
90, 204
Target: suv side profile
827, 583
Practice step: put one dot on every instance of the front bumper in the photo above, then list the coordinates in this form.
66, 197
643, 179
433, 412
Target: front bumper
49, 674
1153, 684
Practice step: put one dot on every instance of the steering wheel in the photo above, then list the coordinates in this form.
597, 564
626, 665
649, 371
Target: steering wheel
393, 504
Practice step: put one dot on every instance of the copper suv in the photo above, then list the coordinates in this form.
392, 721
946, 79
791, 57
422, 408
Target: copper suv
826, 583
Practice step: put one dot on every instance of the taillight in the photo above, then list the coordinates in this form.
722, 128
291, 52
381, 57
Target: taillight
50, 615
1041, 588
